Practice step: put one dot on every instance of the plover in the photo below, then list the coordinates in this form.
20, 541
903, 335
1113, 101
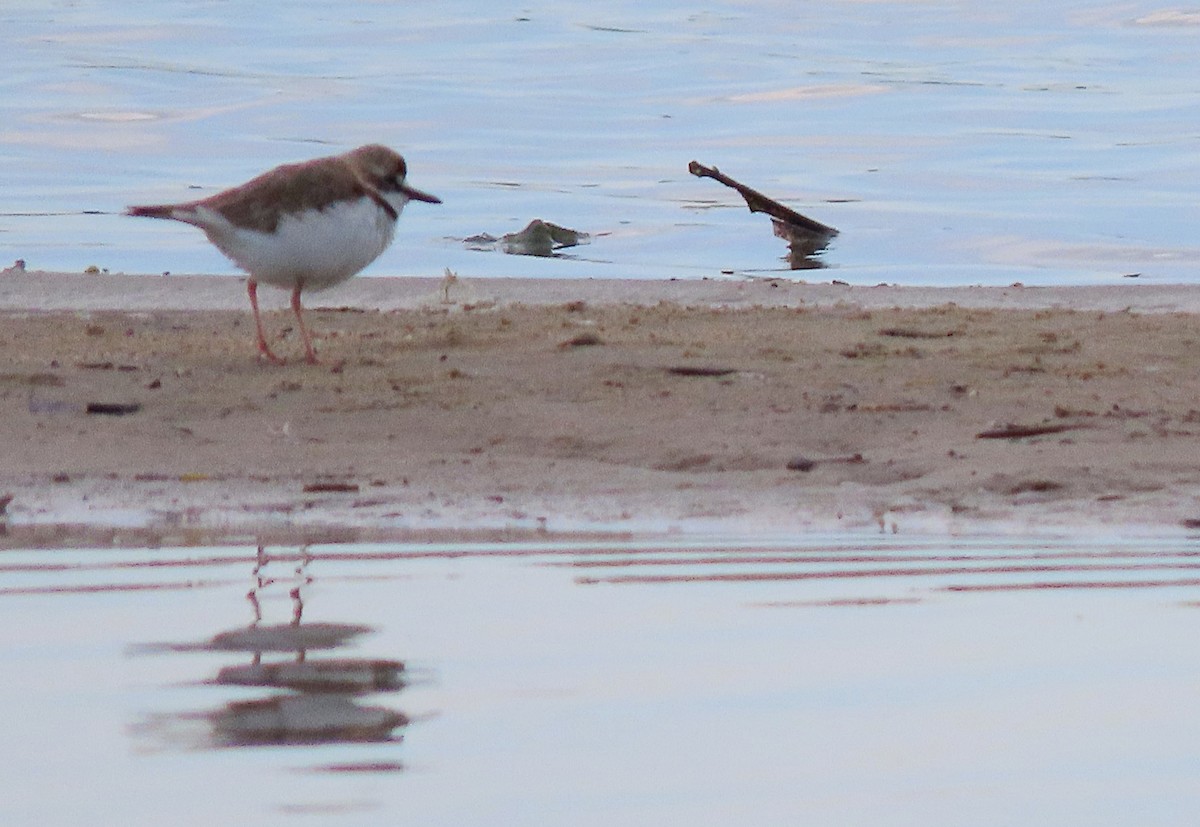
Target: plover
304, 226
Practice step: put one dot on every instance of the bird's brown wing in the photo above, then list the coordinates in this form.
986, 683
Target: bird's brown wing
258, 203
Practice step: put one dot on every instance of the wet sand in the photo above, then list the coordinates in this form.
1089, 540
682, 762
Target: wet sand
525, 405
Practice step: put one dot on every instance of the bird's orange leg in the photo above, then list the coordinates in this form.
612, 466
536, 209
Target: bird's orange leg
252, 290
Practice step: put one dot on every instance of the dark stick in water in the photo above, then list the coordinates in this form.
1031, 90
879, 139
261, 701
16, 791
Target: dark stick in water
757, 202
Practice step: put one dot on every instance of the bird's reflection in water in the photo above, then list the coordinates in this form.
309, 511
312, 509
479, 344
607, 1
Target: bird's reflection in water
316, 700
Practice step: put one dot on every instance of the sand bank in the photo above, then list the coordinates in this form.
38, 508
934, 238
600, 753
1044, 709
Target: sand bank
577, 406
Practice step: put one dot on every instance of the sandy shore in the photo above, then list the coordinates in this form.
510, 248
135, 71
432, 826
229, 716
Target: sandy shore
577, 406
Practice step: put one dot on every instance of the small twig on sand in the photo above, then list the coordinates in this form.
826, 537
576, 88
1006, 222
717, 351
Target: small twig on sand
1012, 431
807, 464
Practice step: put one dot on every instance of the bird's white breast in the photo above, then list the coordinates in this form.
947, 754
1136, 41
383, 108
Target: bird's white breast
316, 249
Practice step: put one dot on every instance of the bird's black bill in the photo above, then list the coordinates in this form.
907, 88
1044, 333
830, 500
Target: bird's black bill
417, 195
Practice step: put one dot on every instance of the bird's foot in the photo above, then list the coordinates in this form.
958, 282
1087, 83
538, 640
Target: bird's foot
265, 352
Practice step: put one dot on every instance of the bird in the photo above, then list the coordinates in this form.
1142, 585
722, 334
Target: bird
303, 226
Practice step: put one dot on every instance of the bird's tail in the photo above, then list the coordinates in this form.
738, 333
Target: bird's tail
153, 211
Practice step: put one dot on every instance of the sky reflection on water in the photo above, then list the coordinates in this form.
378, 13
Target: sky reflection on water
951, 143
896, 681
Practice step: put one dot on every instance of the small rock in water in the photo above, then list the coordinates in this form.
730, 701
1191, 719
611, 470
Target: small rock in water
539, 238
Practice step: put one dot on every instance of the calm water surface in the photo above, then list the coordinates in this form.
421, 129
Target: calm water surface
951, 142
688, 681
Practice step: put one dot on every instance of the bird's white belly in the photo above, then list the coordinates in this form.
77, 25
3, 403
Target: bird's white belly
313, 249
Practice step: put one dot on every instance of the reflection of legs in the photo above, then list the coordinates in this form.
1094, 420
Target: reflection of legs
310, 355
252, 290
305, 580
260, 583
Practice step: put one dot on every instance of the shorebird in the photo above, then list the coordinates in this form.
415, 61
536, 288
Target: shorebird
304, 226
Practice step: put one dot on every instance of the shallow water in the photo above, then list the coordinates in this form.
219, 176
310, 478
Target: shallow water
950, 142
682, 681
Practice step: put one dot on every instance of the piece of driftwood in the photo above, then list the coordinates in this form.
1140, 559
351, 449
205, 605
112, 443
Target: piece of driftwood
113, 408
330, 488
809, 463
913, 333
1012, 431
805, 237
757, 202
699, 370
